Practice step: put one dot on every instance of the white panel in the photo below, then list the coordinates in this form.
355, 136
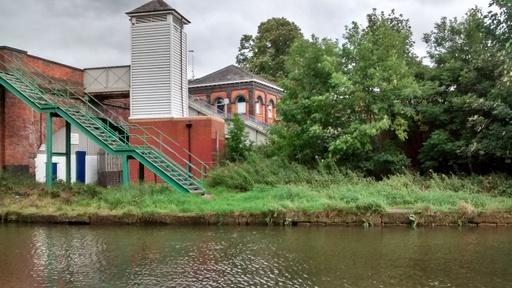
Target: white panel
177, 99
159, 64
91, 166
184, 70
107, 79
151, 61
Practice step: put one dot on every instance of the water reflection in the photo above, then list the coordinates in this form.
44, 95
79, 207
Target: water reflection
62, 256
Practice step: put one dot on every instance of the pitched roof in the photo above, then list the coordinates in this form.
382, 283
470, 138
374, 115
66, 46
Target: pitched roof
156, 6
230, 74
152, 6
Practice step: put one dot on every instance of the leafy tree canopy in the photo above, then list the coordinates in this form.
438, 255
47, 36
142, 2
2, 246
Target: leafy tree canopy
349, 103
372, 105
266, 53
469, 117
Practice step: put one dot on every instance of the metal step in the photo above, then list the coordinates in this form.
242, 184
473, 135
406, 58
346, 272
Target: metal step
92, 122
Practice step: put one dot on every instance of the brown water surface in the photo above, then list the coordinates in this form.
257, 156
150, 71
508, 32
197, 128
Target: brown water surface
66, 256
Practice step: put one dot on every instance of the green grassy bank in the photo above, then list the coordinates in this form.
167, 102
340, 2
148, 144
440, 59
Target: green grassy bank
267, 186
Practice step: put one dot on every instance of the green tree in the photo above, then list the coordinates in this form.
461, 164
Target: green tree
381, 65
351, 104
266, 53
238, 145
469, 117
310, 114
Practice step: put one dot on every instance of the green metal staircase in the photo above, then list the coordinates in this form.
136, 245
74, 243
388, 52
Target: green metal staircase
104, 127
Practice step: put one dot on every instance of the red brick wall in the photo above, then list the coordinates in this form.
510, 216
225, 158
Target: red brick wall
259, 98
22, 128
120, 107
218, 94
207, 141
24, 131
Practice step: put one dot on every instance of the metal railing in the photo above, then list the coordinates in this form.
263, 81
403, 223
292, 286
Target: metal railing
214, 110
54, 92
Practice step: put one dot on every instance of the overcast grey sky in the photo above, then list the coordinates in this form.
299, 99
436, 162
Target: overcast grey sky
89, 33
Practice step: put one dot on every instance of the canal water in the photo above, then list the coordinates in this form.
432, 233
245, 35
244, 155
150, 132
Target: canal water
161, 256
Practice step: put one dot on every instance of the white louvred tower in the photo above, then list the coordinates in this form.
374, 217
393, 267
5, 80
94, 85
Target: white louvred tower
159, 84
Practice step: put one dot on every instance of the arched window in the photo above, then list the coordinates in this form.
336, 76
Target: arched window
219, 103
258, 104
240, 105
270, 108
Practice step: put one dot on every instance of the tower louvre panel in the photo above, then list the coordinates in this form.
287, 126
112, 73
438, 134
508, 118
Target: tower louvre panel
159, 85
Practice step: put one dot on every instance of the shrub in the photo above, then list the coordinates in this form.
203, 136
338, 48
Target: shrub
258, 170
238, 145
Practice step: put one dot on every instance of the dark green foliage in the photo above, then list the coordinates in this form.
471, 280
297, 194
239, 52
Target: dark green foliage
237, 146
350, 104
308, 111
371, 105
469, 113
265, 54
18, 183
259, 170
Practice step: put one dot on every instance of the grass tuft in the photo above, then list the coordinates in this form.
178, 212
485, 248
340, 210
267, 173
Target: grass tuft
267, 186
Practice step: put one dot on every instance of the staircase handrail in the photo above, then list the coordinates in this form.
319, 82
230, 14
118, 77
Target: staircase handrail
118, 120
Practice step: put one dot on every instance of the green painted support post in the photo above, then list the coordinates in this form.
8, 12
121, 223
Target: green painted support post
126, 170
68, 153
49, 151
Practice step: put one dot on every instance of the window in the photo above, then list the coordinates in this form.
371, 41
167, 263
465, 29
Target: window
240, 105
258, 104
219, 103
270, 109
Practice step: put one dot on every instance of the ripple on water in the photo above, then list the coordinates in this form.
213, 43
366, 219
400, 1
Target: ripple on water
61, 256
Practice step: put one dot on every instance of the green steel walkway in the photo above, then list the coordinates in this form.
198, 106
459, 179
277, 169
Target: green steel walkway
105, 128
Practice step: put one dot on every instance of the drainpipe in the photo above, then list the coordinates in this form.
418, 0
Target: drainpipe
189, 130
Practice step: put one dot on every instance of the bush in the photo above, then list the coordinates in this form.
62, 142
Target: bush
258, 170
238, 146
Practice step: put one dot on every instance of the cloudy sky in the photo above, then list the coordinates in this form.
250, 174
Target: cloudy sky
90, 33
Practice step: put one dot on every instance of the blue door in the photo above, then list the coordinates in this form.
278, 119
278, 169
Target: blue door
80, 166
54, 171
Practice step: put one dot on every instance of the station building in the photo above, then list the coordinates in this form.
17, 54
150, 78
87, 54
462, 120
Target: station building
140, 122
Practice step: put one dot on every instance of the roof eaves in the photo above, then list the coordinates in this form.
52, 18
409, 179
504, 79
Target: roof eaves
235, 82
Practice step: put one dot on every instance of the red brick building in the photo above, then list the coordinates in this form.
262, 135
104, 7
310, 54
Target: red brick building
145, 124
22, 130
235, 90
